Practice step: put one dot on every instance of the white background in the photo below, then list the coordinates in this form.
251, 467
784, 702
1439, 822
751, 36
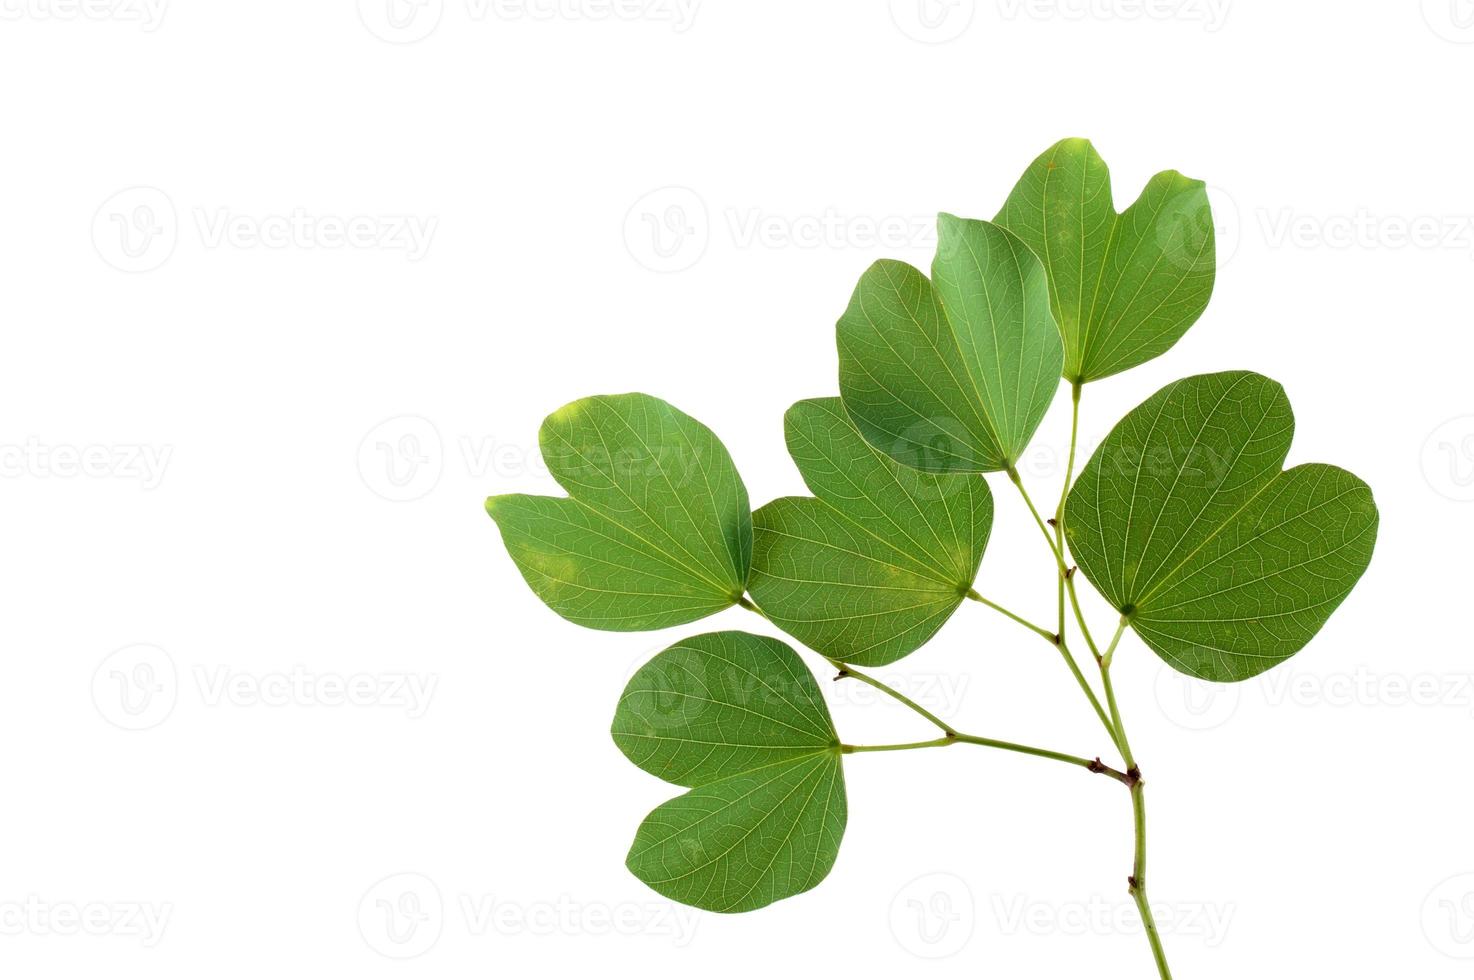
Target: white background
245, 457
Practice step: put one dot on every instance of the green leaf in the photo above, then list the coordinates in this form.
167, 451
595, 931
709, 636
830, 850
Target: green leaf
1124, 287
870, 567
655, 530
740, 719
1185, 522
952, 375
720, 704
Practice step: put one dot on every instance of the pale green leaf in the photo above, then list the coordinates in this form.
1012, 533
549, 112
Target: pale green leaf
655, 530
1124, 287
870, 567
740, 719
952, 375
1185, 521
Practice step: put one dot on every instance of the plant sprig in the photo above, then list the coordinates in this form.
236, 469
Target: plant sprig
1184, 519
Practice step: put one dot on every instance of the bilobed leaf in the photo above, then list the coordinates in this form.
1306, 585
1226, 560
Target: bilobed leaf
720, 704
1184, 520
952, 375
871, 566
738, 718
655, 530
1124, 287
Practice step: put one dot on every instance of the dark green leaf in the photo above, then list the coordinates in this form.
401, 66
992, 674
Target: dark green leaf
655, 530
954, 374
868, 569
1124, 287
1185, 521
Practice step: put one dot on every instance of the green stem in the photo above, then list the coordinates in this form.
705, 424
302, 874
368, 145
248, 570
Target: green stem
1100, 713
1121, 741
951, 734
973, 595
1059, 510
1079, 616
848, 671
1136, 884
954, 738
1094, 765
1056, 640
1114, 725
1043, 528
898, 746
1105, 658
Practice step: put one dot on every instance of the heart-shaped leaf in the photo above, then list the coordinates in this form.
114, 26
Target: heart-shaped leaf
1183, 519
872, 565
655, 530
952, 375
738, 718
1124, 287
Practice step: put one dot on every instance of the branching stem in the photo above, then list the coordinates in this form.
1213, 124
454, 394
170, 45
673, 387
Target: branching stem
1109, 714
973, 595
847, 671
956, 738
